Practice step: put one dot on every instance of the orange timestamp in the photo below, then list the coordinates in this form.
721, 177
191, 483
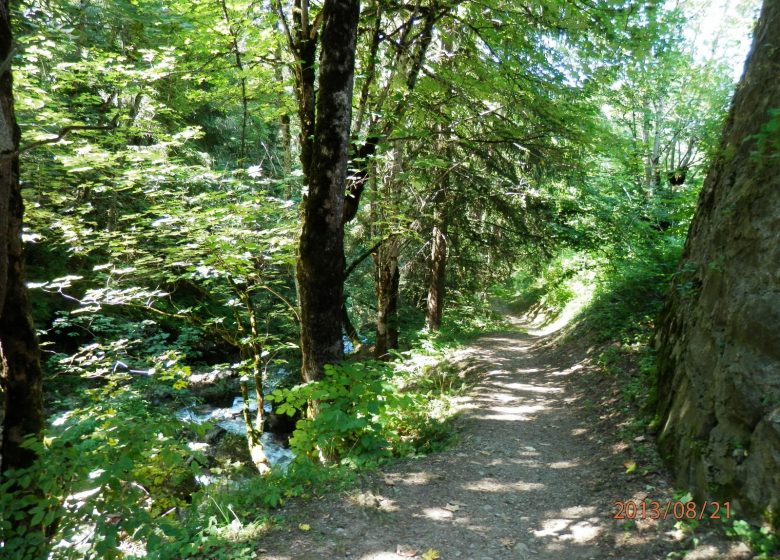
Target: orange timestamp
674, 509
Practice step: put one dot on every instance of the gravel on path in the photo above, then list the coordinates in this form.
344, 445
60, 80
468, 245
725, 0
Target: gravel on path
535, 476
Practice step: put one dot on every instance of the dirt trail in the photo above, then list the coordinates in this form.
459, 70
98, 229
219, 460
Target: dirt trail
532, 477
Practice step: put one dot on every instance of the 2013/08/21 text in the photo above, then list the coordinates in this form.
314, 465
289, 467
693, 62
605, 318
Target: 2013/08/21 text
651, 509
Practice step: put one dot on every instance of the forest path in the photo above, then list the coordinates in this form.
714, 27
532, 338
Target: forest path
532, 477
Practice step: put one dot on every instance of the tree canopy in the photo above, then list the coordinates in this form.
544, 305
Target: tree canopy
270, 194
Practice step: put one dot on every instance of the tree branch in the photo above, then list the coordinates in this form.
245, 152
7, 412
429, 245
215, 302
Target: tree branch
351, 268
62, 134
285, 26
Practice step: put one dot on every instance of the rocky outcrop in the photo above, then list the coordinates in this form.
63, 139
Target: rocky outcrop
718, 338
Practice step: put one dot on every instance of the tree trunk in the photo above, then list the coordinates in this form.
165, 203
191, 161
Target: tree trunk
438, 264
20, 387
321, 249
717, 340
435, 304
285, 136
387, 271
388, 276
304, 49
349, 328
438, 255
254, 351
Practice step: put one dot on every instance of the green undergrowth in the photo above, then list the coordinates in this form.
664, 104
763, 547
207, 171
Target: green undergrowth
466, 319
625, 293
628, 290
119, 471
619, 320
762, 540
546, 290
369, 412
364, 414
621, 317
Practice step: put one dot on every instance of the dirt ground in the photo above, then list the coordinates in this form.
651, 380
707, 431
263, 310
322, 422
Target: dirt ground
535, 476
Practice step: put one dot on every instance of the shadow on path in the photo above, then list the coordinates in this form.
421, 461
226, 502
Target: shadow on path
529, 479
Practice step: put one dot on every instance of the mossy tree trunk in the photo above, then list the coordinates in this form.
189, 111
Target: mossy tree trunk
321, 250
21, 400
438, 262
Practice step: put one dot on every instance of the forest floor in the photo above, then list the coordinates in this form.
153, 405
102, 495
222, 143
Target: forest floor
535, 475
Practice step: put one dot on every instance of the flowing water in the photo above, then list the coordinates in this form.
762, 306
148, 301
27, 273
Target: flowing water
231, 420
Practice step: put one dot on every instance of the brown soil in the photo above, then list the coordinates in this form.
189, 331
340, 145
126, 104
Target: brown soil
535, 475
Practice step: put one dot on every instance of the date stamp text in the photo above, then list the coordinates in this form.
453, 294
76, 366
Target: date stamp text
671, 509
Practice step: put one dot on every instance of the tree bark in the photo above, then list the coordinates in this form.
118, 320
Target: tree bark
286, 137
388, 276
304, 48
349, 328
716, 339
387, 271
285, 134
435, 303
438, 265
320, 268
20, 377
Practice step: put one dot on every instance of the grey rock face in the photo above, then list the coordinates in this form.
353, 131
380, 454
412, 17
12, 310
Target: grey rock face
718, 338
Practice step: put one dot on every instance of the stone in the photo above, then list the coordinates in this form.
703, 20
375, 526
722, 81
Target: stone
718, 336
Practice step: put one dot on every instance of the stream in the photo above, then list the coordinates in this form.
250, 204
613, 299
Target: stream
231, 420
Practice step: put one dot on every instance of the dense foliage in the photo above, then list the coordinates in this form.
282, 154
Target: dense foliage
163, 166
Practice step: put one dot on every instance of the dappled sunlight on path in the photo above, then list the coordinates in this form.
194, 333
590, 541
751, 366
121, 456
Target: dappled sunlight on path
526, 481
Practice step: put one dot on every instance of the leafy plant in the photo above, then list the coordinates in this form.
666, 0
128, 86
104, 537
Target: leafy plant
364, 416
111, 474
763, 540
352, 402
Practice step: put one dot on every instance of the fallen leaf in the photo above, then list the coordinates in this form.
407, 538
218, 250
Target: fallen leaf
431, 554
507, 542
630, 466
304, 527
